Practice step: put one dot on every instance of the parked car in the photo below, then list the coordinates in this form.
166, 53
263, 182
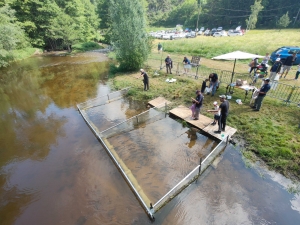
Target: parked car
235, 33
220, 34
214, 30
191, 34
219, 28
286, 51
202, 29
206, 32
200, 32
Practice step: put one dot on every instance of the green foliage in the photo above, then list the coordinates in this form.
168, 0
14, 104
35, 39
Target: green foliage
284, 21
255, 9
12, 36
128, 33
86, 46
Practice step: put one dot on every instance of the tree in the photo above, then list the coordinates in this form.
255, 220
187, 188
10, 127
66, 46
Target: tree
284, 21
128, 33
12, 36
255, 9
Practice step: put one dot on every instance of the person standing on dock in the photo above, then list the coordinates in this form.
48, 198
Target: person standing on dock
145, 80
224, 109
198, 104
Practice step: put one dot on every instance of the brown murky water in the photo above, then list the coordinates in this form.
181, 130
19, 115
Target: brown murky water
54, 171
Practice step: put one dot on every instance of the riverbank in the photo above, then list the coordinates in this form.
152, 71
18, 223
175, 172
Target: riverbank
271, 134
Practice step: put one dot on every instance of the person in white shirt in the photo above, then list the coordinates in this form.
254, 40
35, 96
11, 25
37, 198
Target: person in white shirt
217, 114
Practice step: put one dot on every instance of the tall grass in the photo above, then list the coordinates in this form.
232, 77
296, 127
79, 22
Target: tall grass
86, 46
256, 41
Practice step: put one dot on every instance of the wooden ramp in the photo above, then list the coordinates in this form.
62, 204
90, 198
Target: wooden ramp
204, 123
158, 102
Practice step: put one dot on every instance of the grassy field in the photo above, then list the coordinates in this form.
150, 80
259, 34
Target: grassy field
255, 41
272, 134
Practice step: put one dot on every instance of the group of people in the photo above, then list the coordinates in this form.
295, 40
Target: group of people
221, 111
169, 64
280, 66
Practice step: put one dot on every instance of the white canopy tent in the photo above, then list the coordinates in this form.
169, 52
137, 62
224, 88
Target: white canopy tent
237, 55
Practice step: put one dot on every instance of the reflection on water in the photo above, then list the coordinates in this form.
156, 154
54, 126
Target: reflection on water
54, 171
157, 155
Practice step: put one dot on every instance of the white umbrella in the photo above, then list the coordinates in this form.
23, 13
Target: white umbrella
237, 55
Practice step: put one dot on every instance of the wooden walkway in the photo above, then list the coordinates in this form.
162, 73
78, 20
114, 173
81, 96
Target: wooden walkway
204, 123
158, 102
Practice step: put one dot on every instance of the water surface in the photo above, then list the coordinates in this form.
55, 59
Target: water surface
53, 170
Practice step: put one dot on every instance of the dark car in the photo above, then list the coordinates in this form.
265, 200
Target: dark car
284, 52
214, 30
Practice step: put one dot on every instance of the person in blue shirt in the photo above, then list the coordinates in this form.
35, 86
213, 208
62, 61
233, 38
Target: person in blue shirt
186, 64
261, 94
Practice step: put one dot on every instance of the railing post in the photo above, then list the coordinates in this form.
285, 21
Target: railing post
108, 97
166, 108
177, 71
290, 95
137, 119
196, 77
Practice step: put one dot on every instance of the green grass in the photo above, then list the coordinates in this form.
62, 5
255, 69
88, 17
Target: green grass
272, 134
86, 46
24, 53
254, 41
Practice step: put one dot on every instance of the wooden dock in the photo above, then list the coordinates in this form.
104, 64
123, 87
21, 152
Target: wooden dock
159, 102
204, 123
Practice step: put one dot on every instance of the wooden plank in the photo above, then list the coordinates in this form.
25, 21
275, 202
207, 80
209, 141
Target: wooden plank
204, 123
158, 102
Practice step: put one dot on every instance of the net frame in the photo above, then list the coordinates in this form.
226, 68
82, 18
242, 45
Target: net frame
149, 116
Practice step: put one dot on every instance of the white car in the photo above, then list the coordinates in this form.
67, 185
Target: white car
200, 32
220, 34
235, 33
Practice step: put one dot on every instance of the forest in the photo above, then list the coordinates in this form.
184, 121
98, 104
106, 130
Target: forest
59, 24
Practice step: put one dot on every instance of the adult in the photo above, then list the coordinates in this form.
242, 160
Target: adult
198, 104
253, 65
223, 109
275, 69
169, 64
159, 47
186, 64
288, 63
145, 80
213, 83
266, 59
261, 94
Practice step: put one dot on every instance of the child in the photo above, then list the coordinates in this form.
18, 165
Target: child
298, 72
204, 85
193, 109
217, 114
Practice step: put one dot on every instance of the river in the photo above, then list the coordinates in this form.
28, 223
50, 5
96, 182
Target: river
54, 171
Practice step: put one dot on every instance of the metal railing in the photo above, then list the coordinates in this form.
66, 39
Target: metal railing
284, 92
192, 176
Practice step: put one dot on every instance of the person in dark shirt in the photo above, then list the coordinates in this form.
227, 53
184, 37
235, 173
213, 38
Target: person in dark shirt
186, 64
275, 69
169, 64
261, 94
224, 109
213, 78
203, 86
159, 47
198, 101
288, 63
145, 80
